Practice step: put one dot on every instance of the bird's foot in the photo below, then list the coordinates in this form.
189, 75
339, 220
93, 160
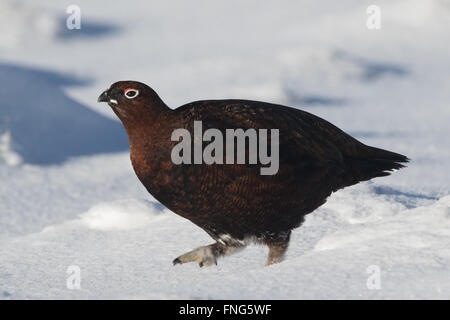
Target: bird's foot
204, 256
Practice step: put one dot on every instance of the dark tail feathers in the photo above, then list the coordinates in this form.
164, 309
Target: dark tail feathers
374, 162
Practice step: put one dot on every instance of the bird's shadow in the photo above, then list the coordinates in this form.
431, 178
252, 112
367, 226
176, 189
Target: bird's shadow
408, 199
46, 125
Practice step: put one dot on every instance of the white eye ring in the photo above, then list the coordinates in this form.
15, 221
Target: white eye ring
131, 93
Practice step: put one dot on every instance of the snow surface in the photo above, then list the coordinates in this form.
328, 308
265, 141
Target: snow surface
69, 197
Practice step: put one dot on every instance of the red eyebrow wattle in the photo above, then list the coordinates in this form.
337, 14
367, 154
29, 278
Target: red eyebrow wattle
128, 89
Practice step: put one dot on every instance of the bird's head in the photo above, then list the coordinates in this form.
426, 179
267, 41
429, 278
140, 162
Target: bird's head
132, 99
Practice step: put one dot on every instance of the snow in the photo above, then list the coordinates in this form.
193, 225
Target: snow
22, 23
125, 214
8, 156
69, 197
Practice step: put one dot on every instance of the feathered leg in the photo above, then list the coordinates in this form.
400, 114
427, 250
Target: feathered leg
277, 248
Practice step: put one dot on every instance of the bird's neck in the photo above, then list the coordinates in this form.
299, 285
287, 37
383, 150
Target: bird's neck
143, 122
146, 128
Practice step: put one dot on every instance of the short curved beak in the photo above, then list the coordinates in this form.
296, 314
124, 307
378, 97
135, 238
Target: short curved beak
104, 97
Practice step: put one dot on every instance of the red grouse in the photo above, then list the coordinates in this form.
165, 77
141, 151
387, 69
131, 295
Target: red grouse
235, 202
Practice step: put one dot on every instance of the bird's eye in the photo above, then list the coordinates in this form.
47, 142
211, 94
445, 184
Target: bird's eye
131, 93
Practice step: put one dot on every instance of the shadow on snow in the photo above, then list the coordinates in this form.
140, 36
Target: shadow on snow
47, 126
87, 30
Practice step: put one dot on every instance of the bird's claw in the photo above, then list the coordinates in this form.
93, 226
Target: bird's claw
203, 256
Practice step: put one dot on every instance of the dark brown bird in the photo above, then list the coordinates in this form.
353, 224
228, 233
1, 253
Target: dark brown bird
234, 203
